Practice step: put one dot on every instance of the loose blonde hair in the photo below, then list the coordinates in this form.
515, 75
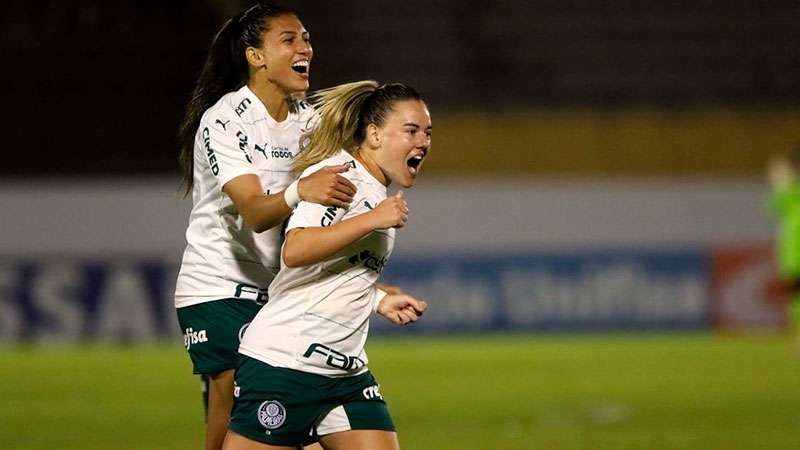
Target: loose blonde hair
345, 111
338, 109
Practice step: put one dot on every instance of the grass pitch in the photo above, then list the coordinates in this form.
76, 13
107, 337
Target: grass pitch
633, 391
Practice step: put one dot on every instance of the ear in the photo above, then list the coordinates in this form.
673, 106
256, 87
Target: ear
374, 136
254, 57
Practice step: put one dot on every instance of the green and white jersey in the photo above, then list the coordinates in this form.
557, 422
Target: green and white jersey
317, 318
223, 256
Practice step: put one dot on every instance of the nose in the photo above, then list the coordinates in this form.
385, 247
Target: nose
305, 49
424, 142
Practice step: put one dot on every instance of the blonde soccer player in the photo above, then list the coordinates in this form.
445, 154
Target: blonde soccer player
239, 139
304, 375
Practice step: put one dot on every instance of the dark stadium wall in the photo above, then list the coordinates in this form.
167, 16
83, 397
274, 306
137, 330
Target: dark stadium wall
99, 87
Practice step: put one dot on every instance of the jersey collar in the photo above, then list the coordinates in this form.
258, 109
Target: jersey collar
256, 110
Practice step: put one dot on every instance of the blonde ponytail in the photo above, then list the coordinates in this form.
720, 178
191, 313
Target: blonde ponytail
339, 108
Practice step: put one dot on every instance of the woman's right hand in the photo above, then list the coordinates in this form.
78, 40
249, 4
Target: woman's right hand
392, 212
327, 187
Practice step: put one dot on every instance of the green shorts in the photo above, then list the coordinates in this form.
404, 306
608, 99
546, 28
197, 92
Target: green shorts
212, 331
280, 406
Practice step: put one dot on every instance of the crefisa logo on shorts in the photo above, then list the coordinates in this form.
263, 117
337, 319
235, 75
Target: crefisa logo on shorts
271, 414
194, 337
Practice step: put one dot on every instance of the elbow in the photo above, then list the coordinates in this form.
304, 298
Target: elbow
260, 228
291, 257
291, 260
257, 226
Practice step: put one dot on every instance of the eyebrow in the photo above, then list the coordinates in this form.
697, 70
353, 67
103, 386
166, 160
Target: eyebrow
410, 124
304, 33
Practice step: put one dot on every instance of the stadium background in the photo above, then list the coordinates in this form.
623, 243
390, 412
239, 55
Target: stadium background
591, 230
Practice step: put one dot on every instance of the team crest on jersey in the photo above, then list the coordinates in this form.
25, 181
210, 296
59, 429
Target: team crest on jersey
271, 414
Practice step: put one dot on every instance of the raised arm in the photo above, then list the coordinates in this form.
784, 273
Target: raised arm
306, 246
264, 211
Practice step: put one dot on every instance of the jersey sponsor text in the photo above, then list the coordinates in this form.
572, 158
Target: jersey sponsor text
212, 158
335, 358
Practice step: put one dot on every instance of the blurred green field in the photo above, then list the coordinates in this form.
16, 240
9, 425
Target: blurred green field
631, 391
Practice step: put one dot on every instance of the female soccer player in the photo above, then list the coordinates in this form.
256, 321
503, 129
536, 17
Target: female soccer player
303, 375
239, 138
784, 177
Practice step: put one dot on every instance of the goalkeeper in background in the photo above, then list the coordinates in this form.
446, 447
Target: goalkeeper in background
784, 178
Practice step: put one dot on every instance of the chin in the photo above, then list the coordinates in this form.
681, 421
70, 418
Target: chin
407, 183
298, 89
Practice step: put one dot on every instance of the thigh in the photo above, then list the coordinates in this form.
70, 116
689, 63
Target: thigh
361, 440
235, 441
220, 389
212, 331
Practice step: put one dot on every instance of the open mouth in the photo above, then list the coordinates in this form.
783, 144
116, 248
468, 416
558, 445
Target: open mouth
300, 67
414, 162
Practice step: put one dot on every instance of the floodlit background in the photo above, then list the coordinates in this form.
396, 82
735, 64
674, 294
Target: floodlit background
591, 229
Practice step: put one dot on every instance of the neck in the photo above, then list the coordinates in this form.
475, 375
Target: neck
274, 99
372, 167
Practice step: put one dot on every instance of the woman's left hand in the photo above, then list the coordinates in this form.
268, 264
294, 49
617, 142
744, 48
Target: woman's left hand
401, 309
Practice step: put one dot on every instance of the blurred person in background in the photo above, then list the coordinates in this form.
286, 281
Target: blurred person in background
784, 178
303, 374
239, 137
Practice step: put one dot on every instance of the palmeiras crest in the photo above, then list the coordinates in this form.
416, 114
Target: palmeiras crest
271, 414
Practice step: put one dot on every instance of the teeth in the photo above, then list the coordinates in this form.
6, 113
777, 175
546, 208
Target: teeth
300, 64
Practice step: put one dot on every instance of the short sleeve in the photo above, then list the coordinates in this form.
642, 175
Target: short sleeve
309, 214
222, 144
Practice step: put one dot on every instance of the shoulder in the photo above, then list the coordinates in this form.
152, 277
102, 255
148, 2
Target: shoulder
221, 114
340, 158
232, 107
306, 115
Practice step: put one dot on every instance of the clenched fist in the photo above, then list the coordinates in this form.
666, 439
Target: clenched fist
401, 309
392, 212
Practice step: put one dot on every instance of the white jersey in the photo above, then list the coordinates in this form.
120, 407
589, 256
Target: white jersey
223, 256
317, 317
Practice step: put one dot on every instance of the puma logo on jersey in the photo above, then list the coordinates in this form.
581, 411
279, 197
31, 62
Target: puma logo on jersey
242, 107
334, 358
191, 337
263, 149
224, 124
368, 260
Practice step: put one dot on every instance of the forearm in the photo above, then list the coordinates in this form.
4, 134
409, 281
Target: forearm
263, 212
311, 245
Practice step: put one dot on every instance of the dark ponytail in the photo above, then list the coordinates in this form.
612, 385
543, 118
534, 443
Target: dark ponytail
225, 70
